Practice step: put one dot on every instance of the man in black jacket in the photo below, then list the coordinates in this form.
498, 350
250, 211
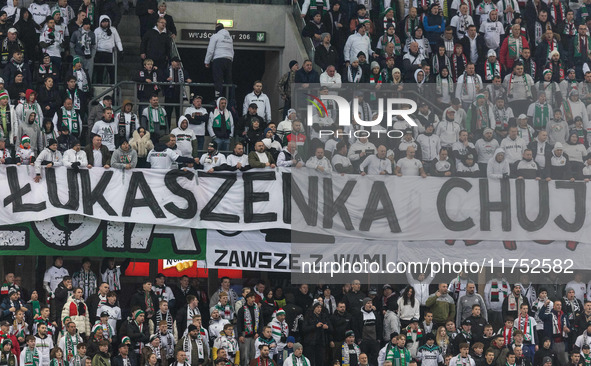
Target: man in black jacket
340, 323
138, 331
62, 292
184, 316
145, 10
156, 46
146, 300
475, 49
93, 302
541, 149
368, 329
325, 54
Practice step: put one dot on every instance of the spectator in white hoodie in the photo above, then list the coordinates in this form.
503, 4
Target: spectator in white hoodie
498, 167
219, 56
107, 40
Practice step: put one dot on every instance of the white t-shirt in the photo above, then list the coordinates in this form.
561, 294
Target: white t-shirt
409, 167
162, 159
107, 131
54, 276
216, 160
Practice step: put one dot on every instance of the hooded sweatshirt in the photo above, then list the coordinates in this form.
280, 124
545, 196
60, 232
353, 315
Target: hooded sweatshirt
121, 158
220, 45
218, 127
107, 39
33, 131
497, 169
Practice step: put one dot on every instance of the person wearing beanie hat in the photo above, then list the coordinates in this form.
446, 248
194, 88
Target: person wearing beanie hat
279, 331
349, 351
284, 127
137, 328
212, 158
219, 56
314, 28
369, 329
8, 358
24, 152
124, 157
9, 124
573, 107
429, 353
49, 157
195, 344
297, 358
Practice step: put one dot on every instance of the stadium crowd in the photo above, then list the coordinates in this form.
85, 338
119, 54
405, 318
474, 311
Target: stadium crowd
77, 319
512, 81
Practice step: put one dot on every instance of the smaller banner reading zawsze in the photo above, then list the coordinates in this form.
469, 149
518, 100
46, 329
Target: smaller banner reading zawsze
237, 36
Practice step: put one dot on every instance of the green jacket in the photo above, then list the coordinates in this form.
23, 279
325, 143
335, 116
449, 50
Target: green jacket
442, 307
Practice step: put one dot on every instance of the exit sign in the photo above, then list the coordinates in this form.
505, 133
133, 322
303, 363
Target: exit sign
197, 35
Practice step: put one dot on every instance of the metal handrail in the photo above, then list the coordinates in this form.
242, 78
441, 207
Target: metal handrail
118, 98
114, 64
301, 23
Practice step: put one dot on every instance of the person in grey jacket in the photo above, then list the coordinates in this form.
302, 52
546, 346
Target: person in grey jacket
220, 53
83, 44
124, 157
464, 307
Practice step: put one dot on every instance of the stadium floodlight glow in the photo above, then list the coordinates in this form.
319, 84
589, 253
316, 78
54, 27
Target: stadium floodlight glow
228, 23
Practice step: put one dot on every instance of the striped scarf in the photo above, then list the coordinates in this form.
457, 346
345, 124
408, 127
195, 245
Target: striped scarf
31, 357
249, 327
167, 342
71, 343
541, 115
399, 356
225, 311
409, 332
515, 45
161, 118
494, 290
346, 358
169, 321
70, 120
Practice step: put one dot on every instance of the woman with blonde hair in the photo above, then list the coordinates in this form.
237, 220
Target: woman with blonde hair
442, 340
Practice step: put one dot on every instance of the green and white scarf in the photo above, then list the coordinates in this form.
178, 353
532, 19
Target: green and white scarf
541, 116
399, 356
31, 357
70, 120
294, 360
161, 118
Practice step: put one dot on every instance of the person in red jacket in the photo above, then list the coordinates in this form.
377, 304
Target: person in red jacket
511, 48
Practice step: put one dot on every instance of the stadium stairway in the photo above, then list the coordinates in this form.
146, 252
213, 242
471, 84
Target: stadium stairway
130, 37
